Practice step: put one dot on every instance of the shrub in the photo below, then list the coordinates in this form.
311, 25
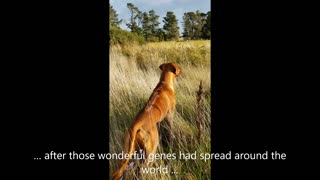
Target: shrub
122, 37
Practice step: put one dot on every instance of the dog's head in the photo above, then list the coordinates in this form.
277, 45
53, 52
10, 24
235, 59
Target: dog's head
170, 67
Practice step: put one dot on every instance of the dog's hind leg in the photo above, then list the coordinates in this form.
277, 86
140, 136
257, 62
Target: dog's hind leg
152, 146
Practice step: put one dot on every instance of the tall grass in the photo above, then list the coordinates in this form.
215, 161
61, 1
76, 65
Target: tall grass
134, 72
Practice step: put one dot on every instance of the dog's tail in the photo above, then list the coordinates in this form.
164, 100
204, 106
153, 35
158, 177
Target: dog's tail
129, 147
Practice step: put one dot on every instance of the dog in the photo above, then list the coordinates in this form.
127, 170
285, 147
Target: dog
143, 131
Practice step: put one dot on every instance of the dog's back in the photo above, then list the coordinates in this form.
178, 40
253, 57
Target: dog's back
143, 131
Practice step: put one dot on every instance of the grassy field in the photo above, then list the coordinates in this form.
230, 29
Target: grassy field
134, 72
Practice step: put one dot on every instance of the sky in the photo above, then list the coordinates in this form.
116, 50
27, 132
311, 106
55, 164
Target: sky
161, 7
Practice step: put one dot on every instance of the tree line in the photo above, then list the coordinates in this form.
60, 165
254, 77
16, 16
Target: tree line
144, 26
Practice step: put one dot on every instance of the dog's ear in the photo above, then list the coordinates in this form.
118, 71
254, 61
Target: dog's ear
162, 66
176, 69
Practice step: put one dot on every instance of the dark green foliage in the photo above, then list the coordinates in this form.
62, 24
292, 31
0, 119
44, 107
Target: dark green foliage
150, 25
154, 23
146, 26
122, 37
171, 27
206, 30
113, 17
189, 21
197, 25
160, 34
135, 19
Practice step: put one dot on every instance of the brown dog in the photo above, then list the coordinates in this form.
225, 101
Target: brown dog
143, 132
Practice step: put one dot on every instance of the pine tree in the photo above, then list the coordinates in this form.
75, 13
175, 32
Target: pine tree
150, 26
135, 19
171, 27
113, 17
154, 22
146, 27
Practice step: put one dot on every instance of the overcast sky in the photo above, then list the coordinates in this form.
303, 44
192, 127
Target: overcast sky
160, 7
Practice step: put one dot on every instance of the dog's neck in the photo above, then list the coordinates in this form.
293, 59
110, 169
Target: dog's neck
168, 78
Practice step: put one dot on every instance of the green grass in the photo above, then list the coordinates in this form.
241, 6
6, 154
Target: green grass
134, 72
